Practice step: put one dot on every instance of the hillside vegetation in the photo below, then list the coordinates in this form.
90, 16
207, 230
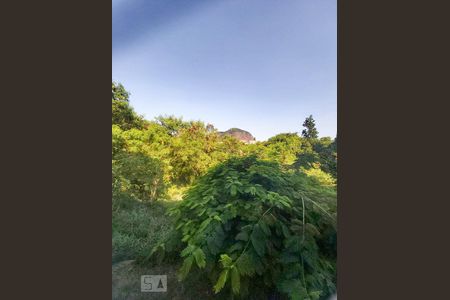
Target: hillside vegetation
241, 220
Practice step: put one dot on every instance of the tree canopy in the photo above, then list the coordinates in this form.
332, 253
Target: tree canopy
123, 114
310, 131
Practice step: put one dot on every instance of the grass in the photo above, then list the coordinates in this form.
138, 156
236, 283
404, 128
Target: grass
137, 227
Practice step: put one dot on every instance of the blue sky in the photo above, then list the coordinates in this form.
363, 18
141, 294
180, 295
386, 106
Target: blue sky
259, 65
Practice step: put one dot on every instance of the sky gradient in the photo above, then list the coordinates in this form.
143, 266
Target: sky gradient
259, 65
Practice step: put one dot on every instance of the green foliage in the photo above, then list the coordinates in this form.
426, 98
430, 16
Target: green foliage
123, 114
251, 226
140, 175
119, 93
327, 151
322, 154
118, 142
171, 124
189, 154
321, 176
282, 148
136, 227
255, 218
310, 131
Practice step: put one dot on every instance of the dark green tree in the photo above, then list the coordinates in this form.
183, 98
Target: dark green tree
119, 93
123, 114
310, 132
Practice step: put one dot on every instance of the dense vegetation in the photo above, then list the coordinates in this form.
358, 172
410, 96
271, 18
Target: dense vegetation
255, 219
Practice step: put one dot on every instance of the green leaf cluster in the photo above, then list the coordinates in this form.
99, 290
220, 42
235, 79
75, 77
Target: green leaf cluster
139, 175
254, 228
123, 114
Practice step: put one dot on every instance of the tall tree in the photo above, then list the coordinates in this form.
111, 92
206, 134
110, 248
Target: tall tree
123, 114
119, 93
310, 132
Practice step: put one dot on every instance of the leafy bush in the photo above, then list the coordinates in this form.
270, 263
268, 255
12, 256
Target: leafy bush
322, 177
283, 148
118, 142
175, 192
322, 154
139, 175
254, 229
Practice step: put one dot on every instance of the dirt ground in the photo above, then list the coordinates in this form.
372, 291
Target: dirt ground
126, 283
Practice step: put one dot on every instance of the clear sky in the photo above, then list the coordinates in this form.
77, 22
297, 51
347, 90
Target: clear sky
259, 65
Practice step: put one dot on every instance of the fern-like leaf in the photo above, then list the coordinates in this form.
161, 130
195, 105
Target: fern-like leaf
199, 258
221, 281
186, 267
245, 265
242, 236
225, 260
258, 241
235, 280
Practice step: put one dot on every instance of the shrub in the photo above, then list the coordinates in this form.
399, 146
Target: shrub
254, 229
319, 175
175, 192
139, 175
118, 142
